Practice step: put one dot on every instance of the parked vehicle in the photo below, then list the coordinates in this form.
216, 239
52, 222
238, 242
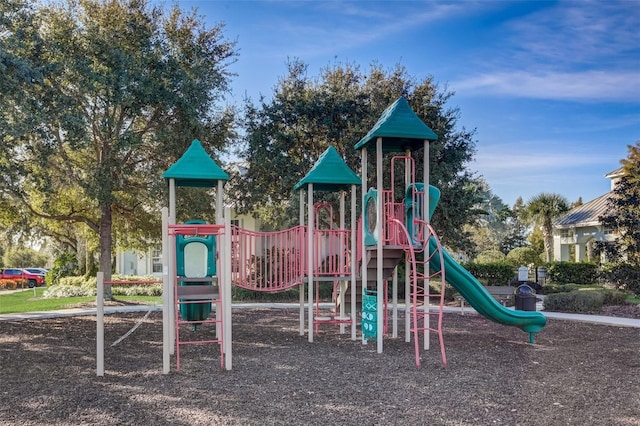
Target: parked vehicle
19, 274
39, 271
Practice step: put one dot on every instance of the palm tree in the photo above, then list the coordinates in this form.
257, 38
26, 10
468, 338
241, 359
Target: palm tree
540, 211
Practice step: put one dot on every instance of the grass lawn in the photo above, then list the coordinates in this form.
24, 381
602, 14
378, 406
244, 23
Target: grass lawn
25, 301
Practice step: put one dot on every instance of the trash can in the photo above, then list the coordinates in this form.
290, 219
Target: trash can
525, 298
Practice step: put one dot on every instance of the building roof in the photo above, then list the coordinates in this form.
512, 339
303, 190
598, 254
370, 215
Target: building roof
585, 215
195, 168
400, 129
329, 173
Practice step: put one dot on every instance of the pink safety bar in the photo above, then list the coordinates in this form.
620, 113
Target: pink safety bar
196, 229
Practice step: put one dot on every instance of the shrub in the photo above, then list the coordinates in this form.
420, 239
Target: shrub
613, 297
572, 272
574, 301
498, 273
622, 276
8, 284
137, 290
583, 301
62, 290
561, 288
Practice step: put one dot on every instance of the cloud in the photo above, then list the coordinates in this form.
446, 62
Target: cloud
357, 25
577, 51
539, 155
582, 85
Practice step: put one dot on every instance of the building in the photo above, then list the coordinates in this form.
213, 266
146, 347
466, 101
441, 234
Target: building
576, 231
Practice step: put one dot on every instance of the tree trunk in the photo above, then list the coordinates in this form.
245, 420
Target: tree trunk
547, 234
105, 248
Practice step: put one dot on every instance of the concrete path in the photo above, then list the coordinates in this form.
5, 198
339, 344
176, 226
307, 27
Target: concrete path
596, 319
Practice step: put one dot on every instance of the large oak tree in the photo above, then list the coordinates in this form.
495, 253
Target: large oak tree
99, 98
286, 133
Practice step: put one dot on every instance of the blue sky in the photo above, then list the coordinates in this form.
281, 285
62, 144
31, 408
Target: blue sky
552, 88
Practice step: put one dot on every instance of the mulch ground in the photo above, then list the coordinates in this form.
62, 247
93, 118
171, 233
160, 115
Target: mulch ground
574, 374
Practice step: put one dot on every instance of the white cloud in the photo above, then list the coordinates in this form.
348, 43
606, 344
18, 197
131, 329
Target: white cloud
582, 85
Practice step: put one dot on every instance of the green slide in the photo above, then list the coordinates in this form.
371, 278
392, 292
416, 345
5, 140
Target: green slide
467, 285
483, 302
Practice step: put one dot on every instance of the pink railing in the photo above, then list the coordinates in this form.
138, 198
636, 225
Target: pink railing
332, 249
277, 261
268, 261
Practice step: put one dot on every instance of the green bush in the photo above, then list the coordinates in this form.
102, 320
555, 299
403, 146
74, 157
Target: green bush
583, 301
622, 276
561, 288
613, 297
574, 301
498, 273
572, 272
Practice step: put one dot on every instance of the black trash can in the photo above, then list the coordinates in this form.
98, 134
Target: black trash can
525, 298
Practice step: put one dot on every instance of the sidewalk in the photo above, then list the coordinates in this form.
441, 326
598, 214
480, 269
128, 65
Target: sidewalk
595, 319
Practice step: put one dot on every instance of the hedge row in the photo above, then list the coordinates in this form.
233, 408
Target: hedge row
586, 301
572, 272
497, 273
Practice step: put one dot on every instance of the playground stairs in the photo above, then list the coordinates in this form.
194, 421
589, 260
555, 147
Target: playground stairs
391, 256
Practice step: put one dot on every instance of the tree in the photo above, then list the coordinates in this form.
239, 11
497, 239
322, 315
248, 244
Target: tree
23, 257
99, 98
286, 134
540, 212
515, 233
491, 226
623, 215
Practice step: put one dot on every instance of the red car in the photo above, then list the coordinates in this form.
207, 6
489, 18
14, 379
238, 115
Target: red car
18, 274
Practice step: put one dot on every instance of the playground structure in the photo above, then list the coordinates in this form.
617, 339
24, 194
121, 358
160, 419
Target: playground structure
201, 262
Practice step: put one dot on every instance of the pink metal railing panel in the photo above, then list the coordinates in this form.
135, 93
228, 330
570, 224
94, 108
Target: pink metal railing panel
332, 249
268, 261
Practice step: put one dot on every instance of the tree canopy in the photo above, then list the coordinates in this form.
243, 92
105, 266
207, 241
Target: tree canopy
99, 97
540, 211
287, 133
623, 215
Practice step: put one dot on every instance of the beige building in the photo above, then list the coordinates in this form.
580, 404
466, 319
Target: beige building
576, 231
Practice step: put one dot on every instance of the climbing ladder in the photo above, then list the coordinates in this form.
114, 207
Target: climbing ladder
422, 249
194, 302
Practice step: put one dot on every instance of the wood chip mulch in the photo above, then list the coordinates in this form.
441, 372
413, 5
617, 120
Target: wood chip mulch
574, 374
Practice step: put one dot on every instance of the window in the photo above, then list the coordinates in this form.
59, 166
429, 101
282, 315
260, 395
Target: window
156, 259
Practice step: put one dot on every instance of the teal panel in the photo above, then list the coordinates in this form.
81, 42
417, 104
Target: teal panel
414, 211
369, 323
370, 226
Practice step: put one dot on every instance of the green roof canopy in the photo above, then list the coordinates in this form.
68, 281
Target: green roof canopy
400, 129
329, 173
195, 168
